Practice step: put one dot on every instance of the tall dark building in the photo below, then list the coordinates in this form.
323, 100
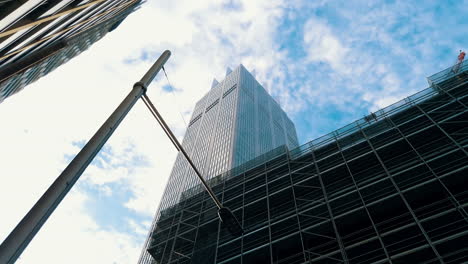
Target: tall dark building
37, 36
388, 188
234, 122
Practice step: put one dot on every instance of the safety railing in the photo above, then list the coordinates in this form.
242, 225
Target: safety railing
340, 133
448, 73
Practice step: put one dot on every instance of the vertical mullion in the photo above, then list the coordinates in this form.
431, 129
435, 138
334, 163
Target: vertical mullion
415, 218
268, 210
175, 236
452, 198
451, 96
338, 238
165, 247
442, 130
295, 205
198, 225
243, 219
219, 224
363, 202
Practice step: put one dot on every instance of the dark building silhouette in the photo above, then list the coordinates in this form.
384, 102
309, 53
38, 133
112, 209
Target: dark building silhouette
37, 36
388, 188
234, 122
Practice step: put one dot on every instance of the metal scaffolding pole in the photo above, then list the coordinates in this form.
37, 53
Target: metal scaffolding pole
400, 193
450, 195
27, 228
364, 205
330, 213
460, 147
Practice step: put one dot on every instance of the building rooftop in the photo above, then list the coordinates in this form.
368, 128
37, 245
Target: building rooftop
438, 82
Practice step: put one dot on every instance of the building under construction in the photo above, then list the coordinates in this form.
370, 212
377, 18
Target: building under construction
37, 36
234, 122
388, 188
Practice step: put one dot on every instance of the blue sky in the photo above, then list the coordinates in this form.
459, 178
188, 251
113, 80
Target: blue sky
328, 63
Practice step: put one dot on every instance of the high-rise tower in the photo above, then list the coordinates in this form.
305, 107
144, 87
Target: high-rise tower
236, 121
387, 188
37, 36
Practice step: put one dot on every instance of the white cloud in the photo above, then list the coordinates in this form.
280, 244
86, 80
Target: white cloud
71, 103
106, 190
72, 236
40, 123
322, 45
138, 228
355, 73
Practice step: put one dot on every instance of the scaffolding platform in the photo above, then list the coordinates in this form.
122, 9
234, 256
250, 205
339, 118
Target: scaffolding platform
450, 77
386, 189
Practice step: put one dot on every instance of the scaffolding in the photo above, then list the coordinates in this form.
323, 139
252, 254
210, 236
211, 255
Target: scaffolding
386, 189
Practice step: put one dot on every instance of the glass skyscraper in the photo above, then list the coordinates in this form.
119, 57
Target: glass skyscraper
236, 121
38, 36
387, 188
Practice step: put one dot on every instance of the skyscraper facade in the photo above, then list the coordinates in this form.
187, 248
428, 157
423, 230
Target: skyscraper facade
37, 36
236, 121
387, 188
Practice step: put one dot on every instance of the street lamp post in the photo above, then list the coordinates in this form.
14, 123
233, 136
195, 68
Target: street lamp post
224, 213
12, 247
